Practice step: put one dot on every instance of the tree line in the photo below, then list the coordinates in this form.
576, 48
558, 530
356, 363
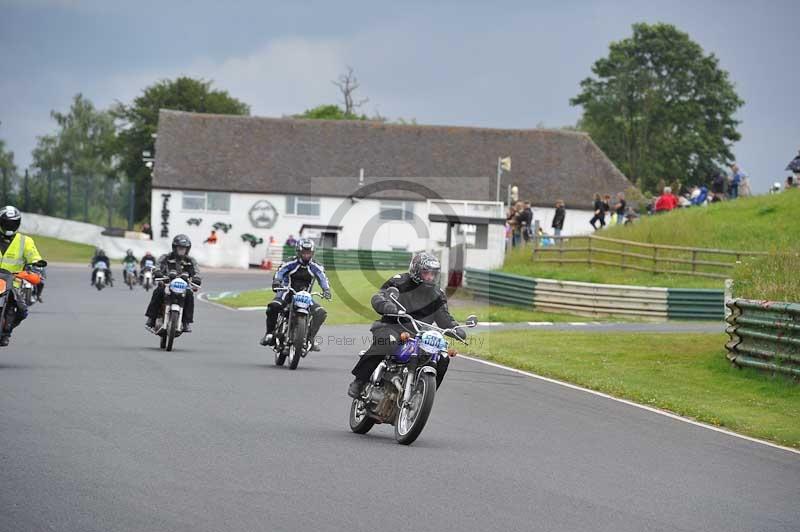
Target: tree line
657, 105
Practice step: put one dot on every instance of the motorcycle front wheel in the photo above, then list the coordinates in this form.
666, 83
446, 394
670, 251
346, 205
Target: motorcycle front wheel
413, 415
360, 422
172, 328
297, 349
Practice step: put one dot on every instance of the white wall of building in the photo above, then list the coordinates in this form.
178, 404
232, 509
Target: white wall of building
361, 226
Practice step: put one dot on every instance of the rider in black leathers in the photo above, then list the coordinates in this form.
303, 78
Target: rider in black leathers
299, 273
423, 300
179, 262
100, 256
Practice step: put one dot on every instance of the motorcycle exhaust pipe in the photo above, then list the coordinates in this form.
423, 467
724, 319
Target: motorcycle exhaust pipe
398, 384
378, 373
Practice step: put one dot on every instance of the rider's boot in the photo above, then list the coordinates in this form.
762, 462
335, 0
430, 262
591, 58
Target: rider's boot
150, 323
4, 339
355, 388
187, 327
268, 339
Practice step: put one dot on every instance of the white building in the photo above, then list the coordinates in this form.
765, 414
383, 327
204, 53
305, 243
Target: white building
361, 185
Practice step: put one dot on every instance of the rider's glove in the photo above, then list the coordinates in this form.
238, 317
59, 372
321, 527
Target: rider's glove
173, 274
197, 280
275, 286
326, 294
185, 276
461, 334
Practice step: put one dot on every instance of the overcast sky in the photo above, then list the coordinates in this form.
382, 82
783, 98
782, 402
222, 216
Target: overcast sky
493, 64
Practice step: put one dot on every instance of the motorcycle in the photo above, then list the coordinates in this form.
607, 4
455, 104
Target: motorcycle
169, 324
7, 279
291, 331
147, 275
130, 274
402, 388
101, 277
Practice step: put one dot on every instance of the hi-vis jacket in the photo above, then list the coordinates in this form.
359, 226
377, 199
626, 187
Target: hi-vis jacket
21, 251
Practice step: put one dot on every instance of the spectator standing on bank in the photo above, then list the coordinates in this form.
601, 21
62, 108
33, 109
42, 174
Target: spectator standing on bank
599, 212
291, 241
526, 222
619, 208
558, 218
146, 229
718, 185
736, 179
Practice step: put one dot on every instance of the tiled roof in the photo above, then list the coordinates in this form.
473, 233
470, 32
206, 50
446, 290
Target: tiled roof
324, 158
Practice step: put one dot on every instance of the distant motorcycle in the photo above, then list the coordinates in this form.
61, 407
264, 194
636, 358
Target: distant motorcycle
130, 274
291, 331
7, 279
402, 388
169, 323
147, 275
102, 275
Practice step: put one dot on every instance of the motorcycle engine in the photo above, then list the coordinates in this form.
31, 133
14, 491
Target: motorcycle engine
384, 401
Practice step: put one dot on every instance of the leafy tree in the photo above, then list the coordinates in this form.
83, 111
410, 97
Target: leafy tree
8, 170
660, 108
329, 112
79, 155
139, 121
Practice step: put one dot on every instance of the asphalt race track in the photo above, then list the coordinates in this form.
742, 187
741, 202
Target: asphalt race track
102, 431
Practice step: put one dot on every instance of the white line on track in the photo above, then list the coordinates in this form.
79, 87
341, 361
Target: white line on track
539, 323
631, 403
490, 323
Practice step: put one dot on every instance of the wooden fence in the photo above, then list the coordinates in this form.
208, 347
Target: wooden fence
641, 256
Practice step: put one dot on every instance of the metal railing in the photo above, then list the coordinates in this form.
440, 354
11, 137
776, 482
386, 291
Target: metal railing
764, 335
640, 256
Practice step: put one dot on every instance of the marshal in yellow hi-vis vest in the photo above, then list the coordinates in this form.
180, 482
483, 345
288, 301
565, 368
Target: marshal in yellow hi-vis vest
21, 251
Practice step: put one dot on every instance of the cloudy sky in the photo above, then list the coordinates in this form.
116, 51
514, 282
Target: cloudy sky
493, 64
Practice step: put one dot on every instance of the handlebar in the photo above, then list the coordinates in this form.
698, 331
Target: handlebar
470, 323
167, 279
292, 290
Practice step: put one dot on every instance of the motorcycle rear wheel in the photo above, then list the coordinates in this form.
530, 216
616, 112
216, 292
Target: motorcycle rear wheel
411, 421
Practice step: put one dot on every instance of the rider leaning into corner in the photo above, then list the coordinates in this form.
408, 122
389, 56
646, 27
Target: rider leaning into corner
16, 252
179, 262
299, 273
422, 299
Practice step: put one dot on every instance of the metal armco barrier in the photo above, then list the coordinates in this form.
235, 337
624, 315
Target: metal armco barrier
357, 259
589, 299
764, 335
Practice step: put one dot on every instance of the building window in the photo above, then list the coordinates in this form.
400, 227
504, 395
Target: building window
302, 205
206, 202
397, 210
218, 202
194, 201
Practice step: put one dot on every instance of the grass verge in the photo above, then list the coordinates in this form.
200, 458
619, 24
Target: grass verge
684, 373
55, 250
747, 224
352, 290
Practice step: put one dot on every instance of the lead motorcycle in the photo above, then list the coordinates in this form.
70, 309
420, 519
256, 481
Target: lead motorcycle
169, 323
291, 330
402, 388
130, 274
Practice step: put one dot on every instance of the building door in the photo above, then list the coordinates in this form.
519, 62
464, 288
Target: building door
328, 240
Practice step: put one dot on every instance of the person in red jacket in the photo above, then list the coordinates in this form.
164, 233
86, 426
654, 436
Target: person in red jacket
667, 201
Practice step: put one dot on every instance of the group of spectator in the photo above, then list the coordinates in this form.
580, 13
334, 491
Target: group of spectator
519, 223
520, 227
618, 210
